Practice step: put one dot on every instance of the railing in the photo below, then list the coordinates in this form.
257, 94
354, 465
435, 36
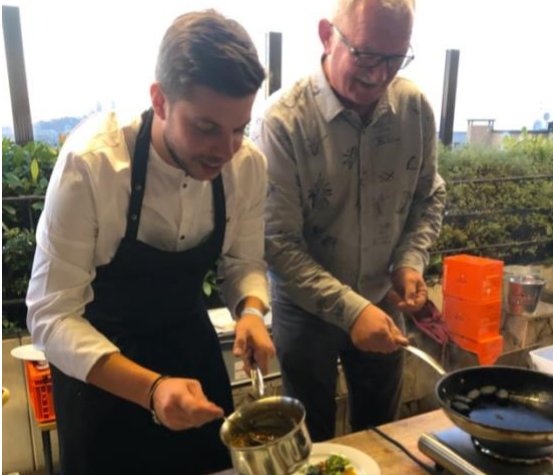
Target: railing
456, 216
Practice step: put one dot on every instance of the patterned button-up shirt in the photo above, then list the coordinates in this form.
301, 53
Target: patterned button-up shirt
347, 201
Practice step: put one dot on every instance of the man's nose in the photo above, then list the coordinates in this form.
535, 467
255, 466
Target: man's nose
227, 146
378, 74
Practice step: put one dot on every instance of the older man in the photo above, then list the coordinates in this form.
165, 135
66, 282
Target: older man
354, 203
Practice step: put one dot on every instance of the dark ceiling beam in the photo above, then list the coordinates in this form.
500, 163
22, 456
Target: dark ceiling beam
273, 57
17, 79
448, 96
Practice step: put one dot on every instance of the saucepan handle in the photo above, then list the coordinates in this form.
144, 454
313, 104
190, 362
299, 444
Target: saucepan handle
256, 376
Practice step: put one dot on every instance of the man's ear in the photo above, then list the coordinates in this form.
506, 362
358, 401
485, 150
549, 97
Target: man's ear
325, 34
159, 101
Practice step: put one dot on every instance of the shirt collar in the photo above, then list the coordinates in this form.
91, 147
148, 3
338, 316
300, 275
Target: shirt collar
330, 106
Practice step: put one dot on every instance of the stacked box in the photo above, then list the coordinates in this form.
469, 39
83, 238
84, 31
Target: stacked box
472, 290
39, 380
473, 278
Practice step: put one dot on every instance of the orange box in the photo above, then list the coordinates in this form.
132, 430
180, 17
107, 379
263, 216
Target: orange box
473, 320
473, 278
39, 380
487, 350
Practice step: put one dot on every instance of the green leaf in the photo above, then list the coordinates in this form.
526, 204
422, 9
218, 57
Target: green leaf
34, 170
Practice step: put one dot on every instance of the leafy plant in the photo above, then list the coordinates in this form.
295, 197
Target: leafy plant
498, 201
210, 283
25, 174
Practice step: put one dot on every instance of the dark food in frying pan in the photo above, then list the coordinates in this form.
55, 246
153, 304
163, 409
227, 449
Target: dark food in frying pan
479, 405
477, 398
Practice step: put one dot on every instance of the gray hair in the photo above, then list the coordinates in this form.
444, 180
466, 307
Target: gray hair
206, 48
343, 7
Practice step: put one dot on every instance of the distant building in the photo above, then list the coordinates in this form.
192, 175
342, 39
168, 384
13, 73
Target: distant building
482, 132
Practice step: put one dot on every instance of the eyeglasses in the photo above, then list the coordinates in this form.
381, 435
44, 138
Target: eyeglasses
367, 60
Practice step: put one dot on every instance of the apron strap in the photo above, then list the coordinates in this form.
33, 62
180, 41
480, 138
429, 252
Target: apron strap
220, 210
138, 176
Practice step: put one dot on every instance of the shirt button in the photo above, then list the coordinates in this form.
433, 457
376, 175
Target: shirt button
182, 237
184, 185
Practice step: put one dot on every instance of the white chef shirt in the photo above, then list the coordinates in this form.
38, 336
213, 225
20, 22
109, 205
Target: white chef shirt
84, 220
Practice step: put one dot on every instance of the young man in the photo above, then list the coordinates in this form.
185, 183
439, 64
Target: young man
135, 215
354, 203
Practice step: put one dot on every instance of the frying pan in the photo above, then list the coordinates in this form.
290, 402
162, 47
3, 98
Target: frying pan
519, 425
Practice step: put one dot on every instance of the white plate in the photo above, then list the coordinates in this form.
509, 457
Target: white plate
363, 464
28, 352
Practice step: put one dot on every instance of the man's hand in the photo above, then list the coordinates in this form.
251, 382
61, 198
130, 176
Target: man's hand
180, 404
252, 342
409, 291
374, 330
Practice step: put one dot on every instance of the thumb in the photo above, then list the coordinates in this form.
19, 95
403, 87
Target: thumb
410, 292
394, 297
398, 337
239, 347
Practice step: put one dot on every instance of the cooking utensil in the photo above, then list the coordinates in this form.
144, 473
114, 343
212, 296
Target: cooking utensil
258, 384
423, 355
281, 422
520, 425
258, 391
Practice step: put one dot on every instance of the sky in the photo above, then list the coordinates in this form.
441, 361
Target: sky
82, 54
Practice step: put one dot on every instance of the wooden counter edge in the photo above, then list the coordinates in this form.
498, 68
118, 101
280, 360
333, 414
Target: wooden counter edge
391, 460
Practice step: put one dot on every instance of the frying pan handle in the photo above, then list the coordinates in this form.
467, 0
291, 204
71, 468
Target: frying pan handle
423, 355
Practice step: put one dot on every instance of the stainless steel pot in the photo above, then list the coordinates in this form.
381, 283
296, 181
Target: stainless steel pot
267, 436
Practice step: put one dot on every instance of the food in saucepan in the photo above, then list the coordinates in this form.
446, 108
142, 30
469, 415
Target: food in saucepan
254, 433
254, 438
333, 465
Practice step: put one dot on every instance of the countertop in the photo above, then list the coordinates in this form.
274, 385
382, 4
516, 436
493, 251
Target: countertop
391, 459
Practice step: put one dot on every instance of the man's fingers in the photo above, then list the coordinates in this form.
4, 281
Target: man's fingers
185, 406
394, 297
239, 348
410, 293
262, 360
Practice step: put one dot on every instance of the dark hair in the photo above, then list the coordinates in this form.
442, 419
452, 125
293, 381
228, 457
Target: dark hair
205, 48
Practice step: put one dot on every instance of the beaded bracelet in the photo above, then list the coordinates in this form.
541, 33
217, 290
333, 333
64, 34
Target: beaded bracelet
151, 393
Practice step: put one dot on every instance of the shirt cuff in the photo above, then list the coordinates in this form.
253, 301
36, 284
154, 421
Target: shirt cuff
413, 260
354, 305
75, 346
254, 285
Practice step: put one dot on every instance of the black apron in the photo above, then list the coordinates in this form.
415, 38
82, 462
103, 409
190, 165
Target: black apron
149, 303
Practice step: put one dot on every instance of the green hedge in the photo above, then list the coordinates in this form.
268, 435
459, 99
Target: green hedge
496, 197
25, 174
499, 202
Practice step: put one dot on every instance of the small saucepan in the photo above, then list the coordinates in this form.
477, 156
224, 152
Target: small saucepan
267, 436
